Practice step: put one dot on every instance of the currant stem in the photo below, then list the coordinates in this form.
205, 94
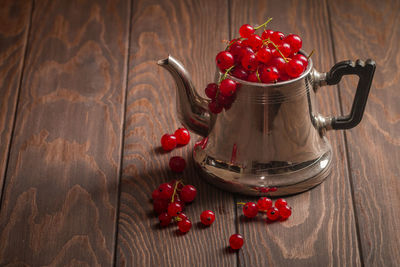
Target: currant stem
175, 189
277, 49
258, 75
241, 203
263, 25
225, 74
312, 52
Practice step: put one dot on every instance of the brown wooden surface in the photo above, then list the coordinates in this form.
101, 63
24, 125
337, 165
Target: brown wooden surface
14, 25
82, 161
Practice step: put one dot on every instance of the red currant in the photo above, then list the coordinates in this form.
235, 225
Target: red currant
182, 216
264, 55
156, 194
273, 214
214, 107
301, 58
235, 50
188, 193
295, 42
279, 63
285, 49
236, 241
174, 209
182, 136
211, 90
184, 225
245, 50
160, 205
280, 202
177, 164
266, 34
249, 62
253, 77
294, 68
224, 60
277, 37
250, 210
207, 217
227, 87
246, 30
168, 142
285, 212
269, 75
239, 73
165, 191
255, 41
264, 203
165, 219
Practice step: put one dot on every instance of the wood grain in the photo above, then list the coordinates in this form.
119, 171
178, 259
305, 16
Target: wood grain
322, 229
192, 32
374, 146
61, 191
14, 25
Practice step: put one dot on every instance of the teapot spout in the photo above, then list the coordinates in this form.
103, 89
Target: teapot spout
192, 109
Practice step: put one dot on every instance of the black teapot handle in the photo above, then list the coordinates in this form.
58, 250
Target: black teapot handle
365, 72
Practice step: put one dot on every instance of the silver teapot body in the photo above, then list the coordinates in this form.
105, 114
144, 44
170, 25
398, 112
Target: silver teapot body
271, 141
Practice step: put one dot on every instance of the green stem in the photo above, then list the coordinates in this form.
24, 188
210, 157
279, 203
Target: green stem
263, 25
241, 203
175, 188
225, 74
312, 52
258, 75
277, 49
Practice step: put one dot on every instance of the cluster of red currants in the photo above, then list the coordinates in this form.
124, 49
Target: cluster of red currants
280, 210
269, 58
169, 201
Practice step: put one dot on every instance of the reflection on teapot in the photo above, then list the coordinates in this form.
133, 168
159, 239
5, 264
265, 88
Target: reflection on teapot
271, 141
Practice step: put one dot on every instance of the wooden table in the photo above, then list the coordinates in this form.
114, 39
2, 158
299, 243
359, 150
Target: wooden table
83, 106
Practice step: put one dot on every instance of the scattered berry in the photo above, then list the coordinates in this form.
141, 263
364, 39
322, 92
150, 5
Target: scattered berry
184, 225
264, 203
285, 212
273, 214
177, 164
168, 142
250, 210
207, 217
182, 136
280, 202
236, 241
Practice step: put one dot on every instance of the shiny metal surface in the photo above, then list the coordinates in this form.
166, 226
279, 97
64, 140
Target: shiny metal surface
270, 142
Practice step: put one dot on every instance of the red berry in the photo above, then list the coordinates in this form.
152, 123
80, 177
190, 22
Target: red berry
168, 142
295, 42
182, 216
235, 50
294, 68
160, 205
245, 50
255, 41
214, 107
253, 77
264, 203
250, 210
165, 191
173, 183
224, 60
246, 30
301, 58
239, 73
266, 34
211, 90
285, 212
184, 225
207, 217
156, 194
279, 63
188, 193
269, 75
280, 202
182, 136
264, 55
285, 49
277, 37
227, 87
249, 62
236, 241
177, 164
273, 214
174, 209
165, 219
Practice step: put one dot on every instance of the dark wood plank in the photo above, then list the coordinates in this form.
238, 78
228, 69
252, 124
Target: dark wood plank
321, 231
192, 32
61, 190
14, 25
372, 31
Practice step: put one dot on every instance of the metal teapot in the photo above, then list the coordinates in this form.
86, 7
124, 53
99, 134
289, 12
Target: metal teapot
271, 141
